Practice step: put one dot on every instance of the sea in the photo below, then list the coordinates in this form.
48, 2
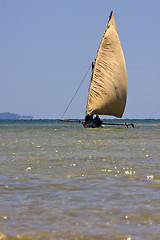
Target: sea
61, 181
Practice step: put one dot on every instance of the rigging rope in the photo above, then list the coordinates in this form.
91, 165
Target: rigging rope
76, 92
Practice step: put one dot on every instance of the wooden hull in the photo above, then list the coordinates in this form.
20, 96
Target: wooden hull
91, 124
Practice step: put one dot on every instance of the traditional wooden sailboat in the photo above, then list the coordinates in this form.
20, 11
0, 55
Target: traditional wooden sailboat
108, 85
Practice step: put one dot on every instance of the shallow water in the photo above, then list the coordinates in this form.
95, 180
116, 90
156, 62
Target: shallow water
61, 181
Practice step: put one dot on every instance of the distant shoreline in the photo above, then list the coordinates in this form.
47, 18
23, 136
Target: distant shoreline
13, 116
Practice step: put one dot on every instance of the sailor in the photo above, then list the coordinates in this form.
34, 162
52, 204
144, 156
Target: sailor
88, 117
98, 120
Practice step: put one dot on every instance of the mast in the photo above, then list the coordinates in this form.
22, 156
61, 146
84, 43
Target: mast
90, 83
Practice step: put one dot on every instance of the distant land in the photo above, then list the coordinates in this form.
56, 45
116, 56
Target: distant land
13, 116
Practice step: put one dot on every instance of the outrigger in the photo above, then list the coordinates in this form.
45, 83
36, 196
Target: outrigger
93, 124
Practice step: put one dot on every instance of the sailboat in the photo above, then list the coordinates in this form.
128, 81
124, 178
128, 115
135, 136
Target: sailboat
108, 85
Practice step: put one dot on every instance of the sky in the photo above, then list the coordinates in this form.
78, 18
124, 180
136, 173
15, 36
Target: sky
46, 47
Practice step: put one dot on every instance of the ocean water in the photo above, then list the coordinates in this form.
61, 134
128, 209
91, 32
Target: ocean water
59, 180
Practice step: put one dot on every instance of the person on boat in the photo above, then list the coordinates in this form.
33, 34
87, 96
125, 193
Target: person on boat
98, 120
88, 117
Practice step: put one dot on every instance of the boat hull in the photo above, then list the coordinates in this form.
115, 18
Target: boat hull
91, 124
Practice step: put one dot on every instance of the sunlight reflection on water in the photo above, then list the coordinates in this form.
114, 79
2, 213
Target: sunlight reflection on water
61, 181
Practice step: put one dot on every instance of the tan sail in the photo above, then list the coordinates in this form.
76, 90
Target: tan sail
108, 89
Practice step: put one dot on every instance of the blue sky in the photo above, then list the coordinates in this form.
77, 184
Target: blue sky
46, 47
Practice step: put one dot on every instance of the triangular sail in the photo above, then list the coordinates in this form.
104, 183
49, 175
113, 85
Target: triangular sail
108, 89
